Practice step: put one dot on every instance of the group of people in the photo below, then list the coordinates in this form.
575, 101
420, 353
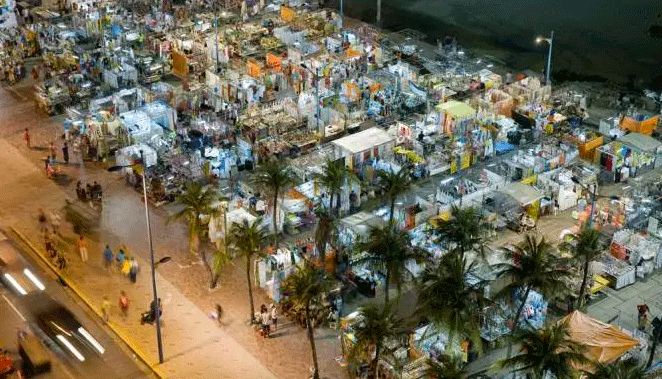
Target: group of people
89, 192
125, 264
267, 318
123, 303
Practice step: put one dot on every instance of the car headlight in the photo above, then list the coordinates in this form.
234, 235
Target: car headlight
71, 347
91, 339
34, 279
15, 284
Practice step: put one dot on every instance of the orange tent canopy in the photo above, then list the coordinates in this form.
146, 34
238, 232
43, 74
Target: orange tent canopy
604, 343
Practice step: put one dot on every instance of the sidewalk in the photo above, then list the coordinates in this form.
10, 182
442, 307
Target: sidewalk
192, 341
194, 345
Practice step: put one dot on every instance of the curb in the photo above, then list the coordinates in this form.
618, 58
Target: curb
69, 283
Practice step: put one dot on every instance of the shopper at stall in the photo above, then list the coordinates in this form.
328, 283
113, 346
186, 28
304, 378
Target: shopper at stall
65, 153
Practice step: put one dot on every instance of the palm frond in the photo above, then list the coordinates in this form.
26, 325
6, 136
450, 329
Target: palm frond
548, 350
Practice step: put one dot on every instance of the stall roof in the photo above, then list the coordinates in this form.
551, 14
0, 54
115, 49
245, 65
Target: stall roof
361, 222
363, 141
641, 142
457, 109
524, 194
603, 342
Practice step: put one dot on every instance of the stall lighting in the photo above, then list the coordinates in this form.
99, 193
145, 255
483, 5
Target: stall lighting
91, 339
71, 347
34, 279
15, 284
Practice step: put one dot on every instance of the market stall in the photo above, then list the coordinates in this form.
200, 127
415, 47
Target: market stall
370, 144
640, 123
454, 116
631, 155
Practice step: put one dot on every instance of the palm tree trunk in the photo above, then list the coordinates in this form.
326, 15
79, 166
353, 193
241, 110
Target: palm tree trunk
391, 215
311, 338
250, 287
652, 354
387, 285
338, 204
213, 278
516, 320
275, 219
376, 361
582, 288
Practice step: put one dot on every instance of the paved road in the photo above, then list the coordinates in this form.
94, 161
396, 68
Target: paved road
115, 363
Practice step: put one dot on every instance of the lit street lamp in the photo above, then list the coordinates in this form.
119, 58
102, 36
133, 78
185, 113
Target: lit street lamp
151, 254
550, 41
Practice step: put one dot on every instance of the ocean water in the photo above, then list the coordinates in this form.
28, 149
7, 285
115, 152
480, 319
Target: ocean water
594, 37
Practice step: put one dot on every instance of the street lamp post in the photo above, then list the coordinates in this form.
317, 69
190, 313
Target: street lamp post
549, 40
157, 317
153, 265
594, 196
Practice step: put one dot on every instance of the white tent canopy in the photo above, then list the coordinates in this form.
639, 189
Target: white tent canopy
524, 194
216, 224
363, 141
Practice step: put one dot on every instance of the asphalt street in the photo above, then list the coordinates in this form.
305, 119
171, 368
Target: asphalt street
18, 314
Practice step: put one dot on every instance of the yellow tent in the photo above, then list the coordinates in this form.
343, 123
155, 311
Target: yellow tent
456, 109
411, 155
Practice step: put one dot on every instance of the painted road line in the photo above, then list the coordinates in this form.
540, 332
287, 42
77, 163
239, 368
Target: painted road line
119, 332
14, 308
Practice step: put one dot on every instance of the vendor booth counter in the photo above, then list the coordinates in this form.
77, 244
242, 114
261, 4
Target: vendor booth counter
356, 148
629, 156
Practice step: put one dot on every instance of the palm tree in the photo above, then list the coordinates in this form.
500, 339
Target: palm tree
374, 327
449, 299
389, 248
544, 351
198, 204
393, 184
532, 265
326, 224
307, 287
274, 177
621, 369
247, 239
333, 178
445, 367
585, 246
465, 230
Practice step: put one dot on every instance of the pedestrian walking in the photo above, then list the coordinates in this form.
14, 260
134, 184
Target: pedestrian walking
265, 320
120, 258
642, 317
105, 309
274, 316
26, 137
65, 153
42, 221
133, 270
82, 248
124, 304
108, 257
